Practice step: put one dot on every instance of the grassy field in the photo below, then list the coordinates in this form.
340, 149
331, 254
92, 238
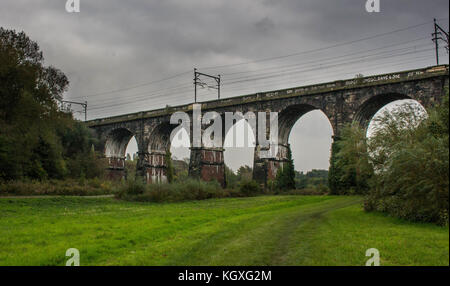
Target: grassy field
267, 230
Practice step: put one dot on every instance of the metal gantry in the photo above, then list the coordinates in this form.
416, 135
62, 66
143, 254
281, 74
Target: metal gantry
83, 104
438, 35
197, 81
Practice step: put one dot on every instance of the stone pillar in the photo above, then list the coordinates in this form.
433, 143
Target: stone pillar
116, 168
155, 167
265, 169
207, 164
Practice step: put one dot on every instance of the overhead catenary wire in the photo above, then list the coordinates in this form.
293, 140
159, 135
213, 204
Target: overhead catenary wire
321, 64
320, 67
180, 91
169, 95
321, 49
265, 59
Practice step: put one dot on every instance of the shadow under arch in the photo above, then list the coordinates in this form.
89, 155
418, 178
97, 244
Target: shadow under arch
371, 106
117, 141
289, 116
115, 148
160, 137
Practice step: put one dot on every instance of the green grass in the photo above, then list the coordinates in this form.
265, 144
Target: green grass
266, 230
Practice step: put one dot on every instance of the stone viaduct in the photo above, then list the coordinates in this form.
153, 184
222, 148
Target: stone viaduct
341, 101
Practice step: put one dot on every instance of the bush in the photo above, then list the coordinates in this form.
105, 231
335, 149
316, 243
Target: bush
249, 188
316, 191
56, 187
410, 155
174, 192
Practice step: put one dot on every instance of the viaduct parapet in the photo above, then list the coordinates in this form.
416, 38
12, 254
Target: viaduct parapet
342, 101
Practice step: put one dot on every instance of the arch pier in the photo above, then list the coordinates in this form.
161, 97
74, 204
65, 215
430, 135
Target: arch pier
342, 102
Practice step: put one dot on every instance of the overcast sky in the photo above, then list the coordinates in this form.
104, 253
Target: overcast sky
115, 52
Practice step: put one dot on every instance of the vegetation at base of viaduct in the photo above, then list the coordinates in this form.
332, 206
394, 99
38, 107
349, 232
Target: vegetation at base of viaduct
403, 169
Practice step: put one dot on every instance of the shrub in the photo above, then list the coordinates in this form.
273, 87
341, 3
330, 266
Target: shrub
56, 187
249, 188
174, 192
410, 155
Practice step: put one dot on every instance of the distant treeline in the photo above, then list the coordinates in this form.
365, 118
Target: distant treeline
311, 179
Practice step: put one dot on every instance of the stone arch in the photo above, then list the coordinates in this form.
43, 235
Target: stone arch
160, 137
158, 144
290, 115
371, 106
266, 169
117, 141
115, 146
244, 146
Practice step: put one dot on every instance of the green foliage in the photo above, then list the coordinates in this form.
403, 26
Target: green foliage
231, 178
334, 173
169, 166
285, 178
249, 188
410, 154
66, 187
244, 173
311, 179
264, 230
136, 190
350, 169
181, 170
130, 168
37, 140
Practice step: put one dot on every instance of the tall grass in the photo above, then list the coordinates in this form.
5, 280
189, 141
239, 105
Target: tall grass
67, 187
190, 189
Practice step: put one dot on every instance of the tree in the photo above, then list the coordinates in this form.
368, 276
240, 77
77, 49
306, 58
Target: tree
169, 166
410, 155
351, 164
244, 173
231, 177
334, 173
285, 178
37, 139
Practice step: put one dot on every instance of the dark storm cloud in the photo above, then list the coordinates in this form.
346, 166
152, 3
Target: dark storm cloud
113, 44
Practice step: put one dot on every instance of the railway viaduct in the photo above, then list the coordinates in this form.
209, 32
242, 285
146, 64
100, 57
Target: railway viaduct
342, 101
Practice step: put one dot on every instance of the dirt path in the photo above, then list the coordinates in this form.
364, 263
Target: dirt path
301, 220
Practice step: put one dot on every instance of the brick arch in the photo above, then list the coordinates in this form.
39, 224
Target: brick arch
159, 139
290, 115
116, 142
115, 145
157, 145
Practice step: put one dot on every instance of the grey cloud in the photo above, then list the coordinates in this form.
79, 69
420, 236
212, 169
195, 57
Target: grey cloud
113, 44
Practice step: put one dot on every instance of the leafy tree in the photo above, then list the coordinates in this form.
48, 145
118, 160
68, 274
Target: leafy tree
313, 178
352, 162
410, 155
169, 166
334, 173
245, 173
285, 178
231, 178
37, 139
